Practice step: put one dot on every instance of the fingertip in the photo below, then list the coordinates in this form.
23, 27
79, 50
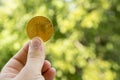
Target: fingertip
37, 38
53, 70
36, 48
50, 74
46, 66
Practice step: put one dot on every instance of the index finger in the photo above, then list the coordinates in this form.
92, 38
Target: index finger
17, 62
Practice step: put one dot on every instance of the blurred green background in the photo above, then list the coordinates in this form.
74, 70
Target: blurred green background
86, 41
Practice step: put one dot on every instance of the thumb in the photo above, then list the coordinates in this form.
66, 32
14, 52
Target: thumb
36, 55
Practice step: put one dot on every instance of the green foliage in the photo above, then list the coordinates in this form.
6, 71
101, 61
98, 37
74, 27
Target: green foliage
86, 42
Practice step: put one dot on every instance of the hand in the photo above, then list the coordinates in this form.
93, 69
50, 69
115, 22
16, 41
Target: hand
29, 64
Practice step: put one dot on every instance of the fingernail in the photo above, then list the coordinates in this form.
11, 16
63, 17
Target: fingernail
35, 43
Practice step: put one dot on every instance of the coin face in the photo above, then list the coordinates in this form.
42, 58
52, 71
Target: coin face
40, 26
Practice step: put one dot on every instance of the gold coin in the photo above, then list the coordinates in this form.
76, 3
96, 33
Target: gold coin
40, 26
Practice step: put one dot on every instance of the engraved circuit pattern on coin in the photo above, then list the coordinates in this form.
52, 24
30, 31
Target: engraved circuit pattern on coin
40, 26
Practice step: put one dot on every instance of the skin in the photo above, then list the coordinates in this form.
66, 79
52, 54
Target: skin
29, 64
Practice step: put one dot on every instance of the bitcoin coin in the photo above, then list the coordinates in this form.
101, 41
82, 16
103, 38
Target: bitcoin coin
40, 26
